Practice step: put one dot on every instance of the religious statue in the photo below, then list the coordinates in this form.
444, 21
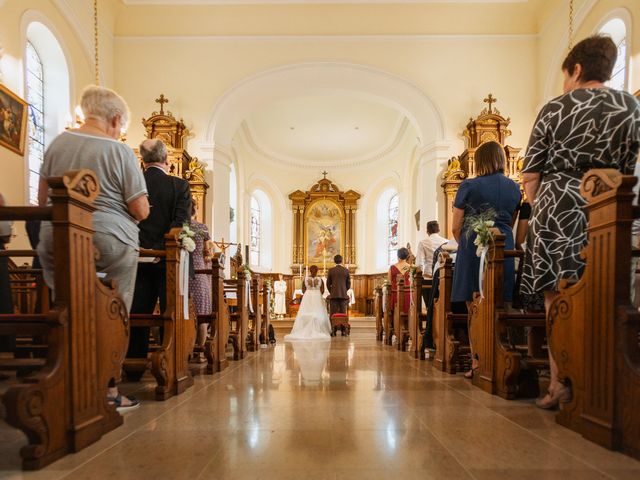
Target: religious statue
280, 291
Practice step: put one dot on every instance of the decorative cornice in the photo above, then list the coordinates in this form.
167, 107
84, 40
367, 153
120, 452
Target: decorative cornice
278, 158
280, 2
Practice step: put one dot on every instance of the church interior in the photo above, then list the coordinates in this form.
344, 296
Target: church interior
306, 130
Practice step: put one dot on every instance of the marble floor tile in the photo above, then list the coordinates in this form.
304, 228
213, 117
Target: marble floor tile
349, 409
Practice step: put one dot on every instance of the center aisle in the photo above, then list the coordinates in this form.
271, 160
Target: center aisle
345, 409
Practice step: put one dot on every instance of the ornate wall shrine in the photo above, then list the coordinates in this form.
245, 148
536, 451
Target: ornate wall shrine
323, 226
174, 134
489, 126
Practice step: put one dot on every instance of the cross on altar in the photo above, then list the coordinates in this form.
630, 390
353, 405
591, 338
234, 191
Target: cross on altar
325, 173
222, 245
490, 99
162, 100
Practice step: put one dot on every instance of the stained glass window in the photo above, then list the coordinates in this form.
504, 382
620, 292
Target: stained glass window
392, 232
35, 98
255, 229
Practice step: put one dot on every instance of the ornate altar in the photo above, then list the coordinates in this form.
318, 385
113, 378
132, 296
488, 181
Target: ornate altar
174, 134
489, 126
324, 225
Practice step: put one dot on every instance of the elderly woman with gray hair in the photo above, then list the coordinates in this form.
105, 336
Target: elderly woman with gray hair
122, 201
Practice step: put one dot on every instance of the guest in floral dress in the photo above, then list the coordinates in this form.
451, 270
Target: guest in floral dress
200, 285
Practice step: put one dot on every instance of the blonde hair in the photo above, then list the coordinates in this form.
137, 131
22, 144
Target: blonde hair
103, 103
489, 158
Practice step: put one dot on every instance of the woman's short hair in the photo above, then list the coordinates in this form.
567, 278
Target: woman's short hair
596, 55
403, 253
313, 269
489, 158
103, 103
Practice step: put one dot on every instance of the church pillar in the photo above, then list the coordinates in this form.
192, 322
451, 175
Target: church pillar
221, 220
432, 164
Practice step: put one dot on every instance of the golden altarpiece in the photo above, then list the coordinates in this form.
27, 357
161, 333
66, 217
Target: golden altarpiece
174, 134
489, 126
324, 225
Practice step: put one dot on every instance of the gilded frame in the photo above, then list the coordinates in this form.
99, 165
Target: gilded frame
312, 260
13, 120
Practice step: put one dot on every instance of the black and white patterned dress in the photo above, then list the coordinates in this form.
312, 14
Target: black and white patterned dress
578, 131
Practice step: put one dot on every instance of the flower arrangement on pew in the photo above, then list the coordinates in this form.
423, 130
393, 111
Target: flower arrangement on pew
186, 238
481, 224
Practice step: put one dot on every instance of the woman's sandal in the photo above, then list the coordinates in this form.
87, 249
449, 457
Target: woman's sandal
117, 401
552, 400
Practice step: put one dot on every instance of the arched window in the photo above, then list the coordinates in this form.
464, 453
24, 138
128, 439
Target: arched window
386, 228
254, 250
260, 231
47, 88
35, 97
617, 30
392, 229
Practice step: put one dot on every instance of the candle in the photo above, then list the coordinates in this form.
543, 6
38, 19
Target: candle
300, 270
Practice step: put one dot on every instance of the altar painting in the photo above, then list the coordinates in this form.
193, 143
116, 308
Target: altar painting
324, 234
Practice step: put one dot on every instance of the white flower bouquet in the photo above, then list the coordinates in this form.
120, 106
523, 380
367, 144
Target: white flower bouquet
481, 225
186, 238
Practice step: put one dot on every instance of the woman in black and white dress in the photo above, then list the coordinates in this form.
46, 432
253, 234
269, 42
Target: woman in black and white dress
590, 126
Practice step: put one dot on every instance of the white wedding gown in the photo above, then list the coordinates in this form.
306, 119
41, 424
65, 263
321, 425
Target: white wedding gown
312, 321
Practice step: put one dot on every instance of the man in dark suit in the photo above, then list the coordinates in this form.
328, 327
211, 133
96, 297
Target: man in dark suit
170, 201
338, 282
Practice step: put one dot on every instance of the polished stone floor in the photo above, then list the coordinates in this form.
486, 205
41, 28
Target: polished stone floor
346, 409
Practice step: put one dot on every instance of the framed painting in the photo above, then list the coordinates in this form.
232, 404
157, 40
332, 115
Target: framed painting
324, 232
13, 120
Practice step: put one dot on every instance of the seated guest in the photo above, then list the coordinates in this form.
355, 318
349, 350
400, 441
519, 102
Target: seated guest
170, 201
403, 269
200, 285
589, 126
428, 246
490, 190
122, 201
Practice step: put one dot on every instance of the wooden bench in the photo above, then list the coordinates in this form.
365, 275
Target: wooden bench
169, 359
592, 326
504, 367
239, 313
255, 316
378, 312
62, 407
450, 334
419, 287
216, 342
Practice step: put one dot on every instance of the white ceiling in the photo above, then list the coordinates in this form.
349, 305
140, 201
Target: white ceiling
325, 130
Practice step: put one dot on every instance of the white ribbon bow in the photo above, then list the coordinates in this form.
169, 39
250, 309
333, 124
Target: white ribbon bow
483, 257
183, 281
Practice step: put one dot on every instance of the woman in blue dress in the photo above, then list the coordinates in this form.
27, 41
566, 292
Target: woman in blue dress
490, 190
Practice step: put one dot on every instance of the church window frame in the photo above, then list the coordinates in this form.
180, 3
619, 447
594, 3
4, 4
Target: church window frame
255, 232
392, 228
618, 29
35, 81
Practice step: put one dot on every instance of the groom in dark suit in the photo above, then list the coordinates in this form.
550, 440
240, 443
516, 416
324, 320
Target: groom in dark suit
338, 282
170, 200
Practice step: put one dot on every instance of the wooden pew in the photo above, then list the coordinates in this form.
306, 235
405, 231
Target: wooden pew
255, 317
377, 312
169, 360
216, 343
592, 326
416, 331
266, 312
239, 315
449, 329
62, 407
387, 315
401, 319
504, 368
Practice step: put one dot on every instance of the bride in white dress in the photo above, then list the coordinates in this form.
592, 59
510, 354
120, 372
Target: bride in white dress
312, 321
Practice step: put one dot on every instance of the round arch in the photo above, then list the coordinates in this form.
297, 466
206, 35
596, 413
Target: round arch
307, 78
